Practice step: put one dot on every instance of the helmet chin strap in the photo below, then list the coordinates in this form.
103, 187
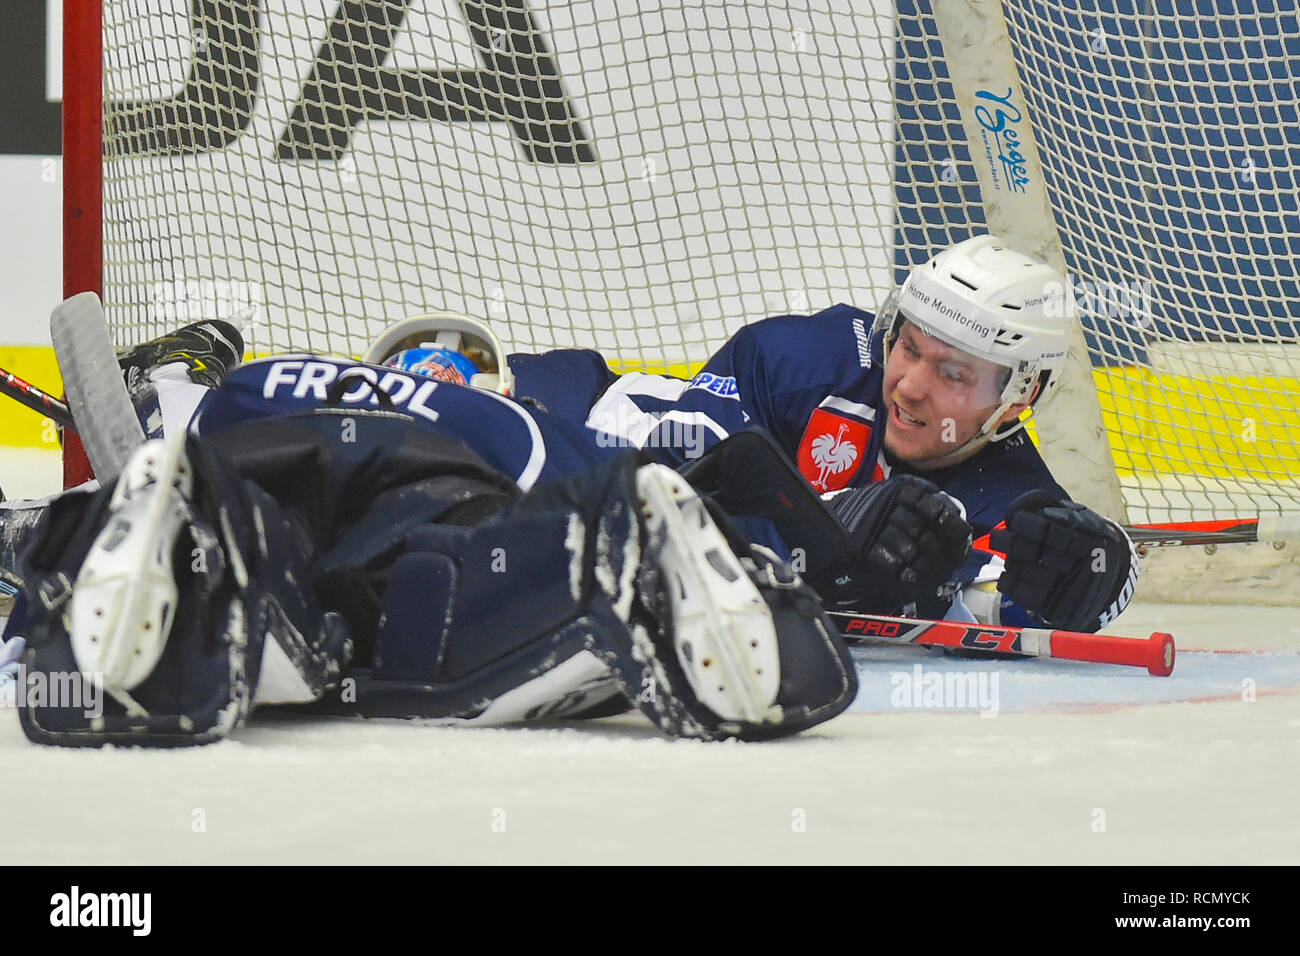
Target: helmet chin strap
958, 454
989, 432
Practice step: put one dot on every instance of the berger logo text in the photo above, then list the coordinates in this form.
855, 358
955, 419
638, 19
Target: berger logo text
1001, 118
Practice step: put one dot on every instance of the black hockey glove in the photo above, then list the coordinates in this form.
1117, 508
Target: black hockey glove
1066, 563
907, 538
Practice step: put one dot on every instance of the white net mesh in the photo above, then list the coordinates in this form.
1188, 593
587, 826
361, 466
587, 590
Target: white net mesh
638, 180
646, 177
1169, 136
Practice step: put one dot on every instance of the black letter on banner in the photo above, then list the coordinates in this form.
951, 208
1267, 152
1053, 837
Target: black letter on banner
518, 84
29, 123
216, 103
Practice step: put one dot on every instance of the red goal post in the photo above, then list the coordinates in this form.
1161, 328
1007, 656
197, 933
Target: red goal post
83, 181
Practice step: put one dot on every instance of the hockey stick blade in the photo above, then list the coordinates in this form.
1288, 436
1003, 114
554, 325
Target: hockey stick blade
93, 381
1155, 653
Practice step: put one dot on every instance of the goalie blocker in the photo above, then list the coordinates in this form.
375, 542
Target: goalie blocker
399, 575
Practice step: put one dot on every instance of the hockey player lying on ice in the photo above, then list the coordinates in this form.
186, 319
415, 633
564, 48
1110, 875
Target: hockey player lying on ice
932, 386
372, 541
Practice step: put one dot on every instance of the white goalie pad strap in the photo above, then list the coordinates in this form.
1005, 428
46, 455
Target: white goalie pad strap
723, 632
125, 595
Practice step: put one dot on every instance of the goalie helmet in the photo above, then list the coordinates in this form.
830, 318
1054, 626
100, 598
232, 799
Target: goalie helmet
447, 346
989, 301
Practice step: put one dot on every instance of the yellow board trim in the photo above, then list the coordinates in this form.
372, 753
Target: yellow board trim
19, 425
676, 370
1158, 423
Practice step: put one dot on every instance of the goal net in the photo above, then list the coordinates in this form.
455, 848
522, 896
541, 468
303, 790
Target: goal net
646, 177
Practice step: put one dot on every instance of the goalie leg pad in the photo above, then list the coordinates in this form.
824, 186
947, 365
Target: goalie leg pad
817, 676
641, 551
722, 630
229, 610
562, 600
485, 625
125, 593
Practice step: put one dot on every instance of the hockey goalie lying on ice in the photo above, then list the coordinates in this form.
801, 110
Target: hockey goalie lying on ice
402, 538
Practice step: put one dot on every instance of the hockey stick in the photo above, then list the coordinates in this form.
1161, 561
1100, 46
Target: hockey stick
25, 393
97, 395
1275, 528
1155, 653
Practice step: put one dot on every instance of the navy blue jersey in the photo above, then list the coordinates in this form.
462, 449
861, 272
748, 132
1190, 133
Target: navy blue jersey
816, 384
526, 445
813, 382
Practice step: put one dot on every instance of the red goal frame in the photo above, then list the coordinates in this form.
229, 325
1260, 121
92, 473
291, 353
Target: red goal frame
83, 176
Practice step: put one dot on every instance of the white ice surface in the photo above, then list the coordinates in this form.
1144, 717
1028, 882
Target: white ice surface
1205, 782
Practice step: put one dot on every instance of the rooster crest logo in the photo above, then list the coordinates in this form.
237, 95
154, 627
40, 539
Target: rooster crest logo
832, 455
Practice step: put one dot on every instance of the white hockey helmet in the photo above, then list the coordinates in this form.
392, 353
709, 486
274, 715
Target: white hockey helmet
986, 299
449, 330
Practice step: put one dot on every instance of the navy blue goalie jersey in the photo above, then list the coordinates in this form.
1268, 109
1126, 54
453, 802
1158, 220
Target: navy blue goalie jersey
522, 443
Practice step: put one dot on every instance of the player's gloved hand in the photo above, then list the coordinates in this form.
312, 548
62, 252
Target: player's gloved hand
1069, 565
907, 538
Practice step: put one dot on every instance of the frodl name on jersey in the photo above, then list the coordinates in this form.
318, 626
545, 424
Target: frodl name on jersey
306, 378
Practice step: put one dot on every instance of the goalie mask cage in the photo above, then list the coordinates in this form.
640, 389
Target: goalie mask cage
646, 177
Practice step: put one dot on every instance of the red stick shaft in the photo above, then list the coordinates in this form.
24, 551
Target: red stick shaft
38, 401
1155, 653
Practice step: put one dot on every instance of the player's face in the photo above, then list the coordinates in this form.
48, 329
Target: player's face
936, 397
